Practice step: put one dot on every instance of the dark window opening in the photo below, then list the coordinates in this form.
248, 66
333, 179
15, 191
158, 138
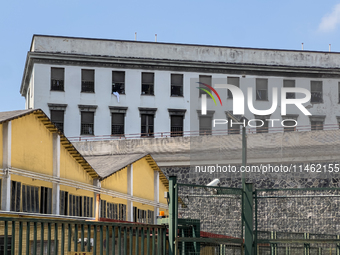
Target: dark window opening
45, 200
316, 125
118, 82
263, 128
176, 125
289, 84
30, 199
262, 89
205, 125
316, 92
57, 79
87, 80
57, 118
176, 85
148, 83
87, 123
233, 81
147, 127
205, 79
15, 196
117, 127
63, 207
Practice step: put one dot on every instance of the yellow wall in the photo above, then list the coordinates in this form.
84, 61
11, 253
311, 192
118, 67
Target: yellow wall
71, 169
0, 145
143, 180
162, 189
116, 182
143, 207
111, 199
31, 145
77, 192
30, 181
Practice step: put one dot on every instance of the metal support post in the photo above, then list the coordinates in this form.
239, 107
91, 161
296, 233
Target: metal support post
248, 219
172, 214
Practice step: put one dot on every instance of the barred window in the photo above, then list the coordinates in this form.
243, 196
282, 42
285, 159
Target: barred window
262, 89
176, 125
45, 200
205, 79
57, 79
147, 125
316, 92
205, 125
233, 81
15, 196
148, 83
63, 205
289, 84
57, 118
87, 123
30, 199
118, 82
117, 123
87, 80
176, 85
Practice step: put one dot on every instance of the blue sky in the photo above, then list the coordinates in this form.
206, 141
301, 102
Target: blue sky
259, 24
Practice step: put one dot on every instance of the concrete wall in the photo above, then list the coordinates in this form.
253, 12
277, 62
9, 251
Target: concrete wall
183, 52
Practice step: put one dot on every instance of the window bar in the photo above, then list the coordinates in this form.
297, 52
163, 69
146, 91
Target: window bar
5, 237
56, 238
13, 238
82, 246
113, 240
75, 237
35, 238
69, 237
137, 237
28, 238
48, 238
95, 240
101, 240
125, 240
153, 242
159, 239
142, 241
131, 240
62, 238
20, 237
88, 238
148, 241
119, 240
107, 239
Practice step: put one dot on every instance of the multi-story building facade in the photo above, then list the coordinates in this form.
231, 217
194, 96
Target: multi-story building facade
112, 87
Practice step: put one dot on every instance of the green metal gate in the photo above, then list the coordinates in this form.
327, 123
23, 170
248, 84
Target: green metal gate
56, 236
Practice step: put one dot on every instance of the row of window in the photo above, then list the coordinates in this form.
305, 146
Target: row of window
112, 210
118, 123
118, 82
176, 84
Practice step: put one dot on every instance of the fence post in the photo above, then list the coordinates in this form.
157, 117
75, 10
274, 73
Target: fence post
172, 214
248, 219
306, 245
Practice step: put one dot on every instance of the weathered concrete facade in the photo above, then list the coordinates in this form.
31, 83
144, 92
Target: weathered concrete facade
163, 60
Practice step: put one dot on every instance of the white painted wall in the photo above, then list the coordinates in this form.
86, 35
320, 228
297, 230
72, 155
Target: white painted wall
40, 89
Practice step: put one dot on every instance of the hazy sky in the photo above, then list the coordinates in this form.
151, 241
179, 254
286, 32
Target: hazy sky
259, 24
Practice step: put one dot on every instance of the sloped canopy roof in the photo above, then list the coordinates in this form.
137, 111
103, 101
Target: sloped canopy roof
11, 115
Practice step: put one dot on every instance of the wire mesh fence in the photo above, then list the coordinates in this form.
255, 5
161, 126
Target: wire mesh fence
297, 221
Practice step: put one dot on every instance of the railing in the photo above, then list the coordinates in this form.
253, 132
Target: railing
251, 130
62, 236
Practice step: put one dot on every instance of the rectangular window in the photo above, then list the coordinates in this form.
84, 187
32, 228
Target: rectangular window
87, 80
233, 81
176, 125
57, 79
76, 205
148, 83
63, 206
103, 208
289, 126
87, 123
15, 196
57, 118
204, 79
147, 127
316, 125
118, 82
122, 212
45, 200
289, 84
117, 127
30, 199
316, 92
263, 128
205, 125
234, 128
151, 216
176, 85
262, 89
111, 211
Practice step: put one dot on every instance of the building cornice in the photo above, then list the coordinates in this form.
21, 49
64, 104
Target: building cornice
172, 65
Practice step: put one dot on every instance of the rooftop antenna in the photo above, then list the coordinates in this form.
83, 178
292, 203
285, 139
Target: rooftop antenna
135, 36
329, 47
302, 45
155, 37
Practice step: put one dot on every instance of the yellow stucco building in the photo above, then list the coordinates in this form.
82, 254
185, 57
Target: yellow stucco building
43, 173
